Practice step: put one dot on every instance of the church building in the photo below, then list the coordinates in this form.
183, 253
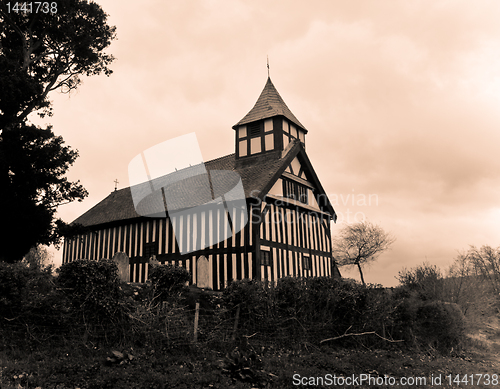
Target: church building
280, 228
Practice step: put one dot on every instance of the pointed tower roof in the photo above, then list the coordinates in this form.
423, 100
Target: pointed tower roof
269, 104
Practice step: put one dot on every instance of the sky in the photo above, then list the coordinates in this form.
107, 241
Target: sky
400, 98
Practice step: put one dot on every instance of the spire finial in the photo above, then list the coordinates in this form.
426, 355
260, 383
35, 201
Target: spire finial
268, 67
116, 184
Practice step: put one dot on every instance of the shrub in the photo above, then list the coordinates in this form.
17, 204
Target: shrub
440, 325
22, 287
29, 303
429, 324
426, 281
250, 295
167, 280
303, 309
13, 280
93, 289
290, 296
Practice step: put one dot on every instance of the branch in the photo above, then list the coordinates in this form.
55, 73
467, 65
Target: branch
13, 25
31, 106
345, 335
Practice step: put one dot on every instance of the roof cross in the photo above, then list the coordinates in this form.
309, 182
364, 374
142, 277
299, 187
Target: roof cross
116, 183
268, 67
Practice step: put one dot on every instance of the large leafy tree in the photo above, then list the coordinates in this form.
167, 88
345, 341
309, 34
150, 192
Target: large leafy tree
42, 52
360, 243
39, 53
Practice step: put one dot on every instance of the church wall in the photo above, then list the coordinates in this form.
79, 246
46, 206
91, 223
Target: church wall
298, 241
231, 258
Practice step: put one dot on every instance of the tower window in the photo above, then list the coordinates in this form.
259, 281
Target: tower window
254, 129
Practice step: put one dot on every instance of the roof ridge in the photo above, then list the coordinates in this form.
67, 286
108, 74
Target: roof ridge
219, 158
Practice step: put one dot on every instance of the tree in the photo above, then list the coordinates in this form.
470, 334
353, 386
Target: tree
360, 243
468, 287
33, 162
39, 53
486, 263
42, 52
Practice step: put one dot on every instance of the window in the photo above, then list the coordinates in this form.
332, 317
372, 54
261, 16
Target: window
150, 249
265, 258
269, 142
306, 263
255, 145
258, 137
254, 129
243, 148
294, 190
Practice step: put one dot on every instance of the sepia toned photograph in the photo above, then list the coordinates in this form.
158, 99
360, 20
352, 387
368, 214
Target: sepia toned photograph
249, 194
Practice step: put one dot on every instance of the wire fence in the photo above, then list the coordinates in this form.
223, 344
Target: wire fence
173, 325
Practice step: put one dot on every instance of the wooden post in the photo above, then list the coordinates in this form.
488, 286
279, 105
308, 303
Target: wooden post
236, 323
196, 317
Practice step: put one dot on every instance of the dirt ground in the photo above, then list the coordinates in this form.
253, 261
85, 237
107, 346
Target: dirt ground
475, 366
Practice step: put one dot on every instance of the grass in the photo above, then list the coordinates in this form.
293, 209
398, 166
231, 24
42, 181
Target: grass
200, 366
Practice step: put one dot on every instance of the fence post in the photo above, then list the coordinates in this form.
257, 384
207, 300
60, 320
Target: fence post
196, 317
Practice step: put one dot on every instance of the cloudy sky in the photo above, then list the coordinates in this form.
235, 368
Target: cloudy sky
401, 100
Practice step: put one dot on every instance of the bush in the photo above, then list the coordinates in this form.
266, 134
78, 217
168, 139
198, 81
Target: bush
429, 324
167, 280
30, 304
425, 281
22, 287
250, 295
93, 289
307, 309
440, 325
13, 280
290, 296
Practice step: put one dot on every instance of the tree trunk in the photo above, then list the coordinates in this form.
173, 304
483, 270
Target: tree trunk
361, 274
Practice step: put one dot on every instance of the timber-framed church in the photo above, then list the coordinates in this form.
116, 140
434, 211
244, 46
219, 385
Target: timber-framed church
284, 229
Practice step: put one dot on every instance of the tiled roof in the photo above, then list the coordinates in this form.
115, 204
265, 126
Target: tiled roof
257, 174
269, 104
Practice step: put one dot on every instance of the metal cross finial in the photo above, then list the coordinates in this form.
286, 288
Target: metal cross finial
116, 183
268, 66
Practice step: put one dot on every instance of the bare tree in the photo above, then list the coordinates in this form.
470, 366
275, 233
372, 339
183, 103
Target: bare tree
467, 286
486, 262
361, 243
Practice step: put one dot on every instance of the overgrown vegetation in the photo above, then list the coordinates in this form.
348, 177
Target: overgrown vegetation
251, 335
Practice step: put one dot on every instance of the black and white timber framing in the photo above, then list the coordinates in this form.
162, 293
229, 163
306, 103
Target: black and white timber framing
288, 213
